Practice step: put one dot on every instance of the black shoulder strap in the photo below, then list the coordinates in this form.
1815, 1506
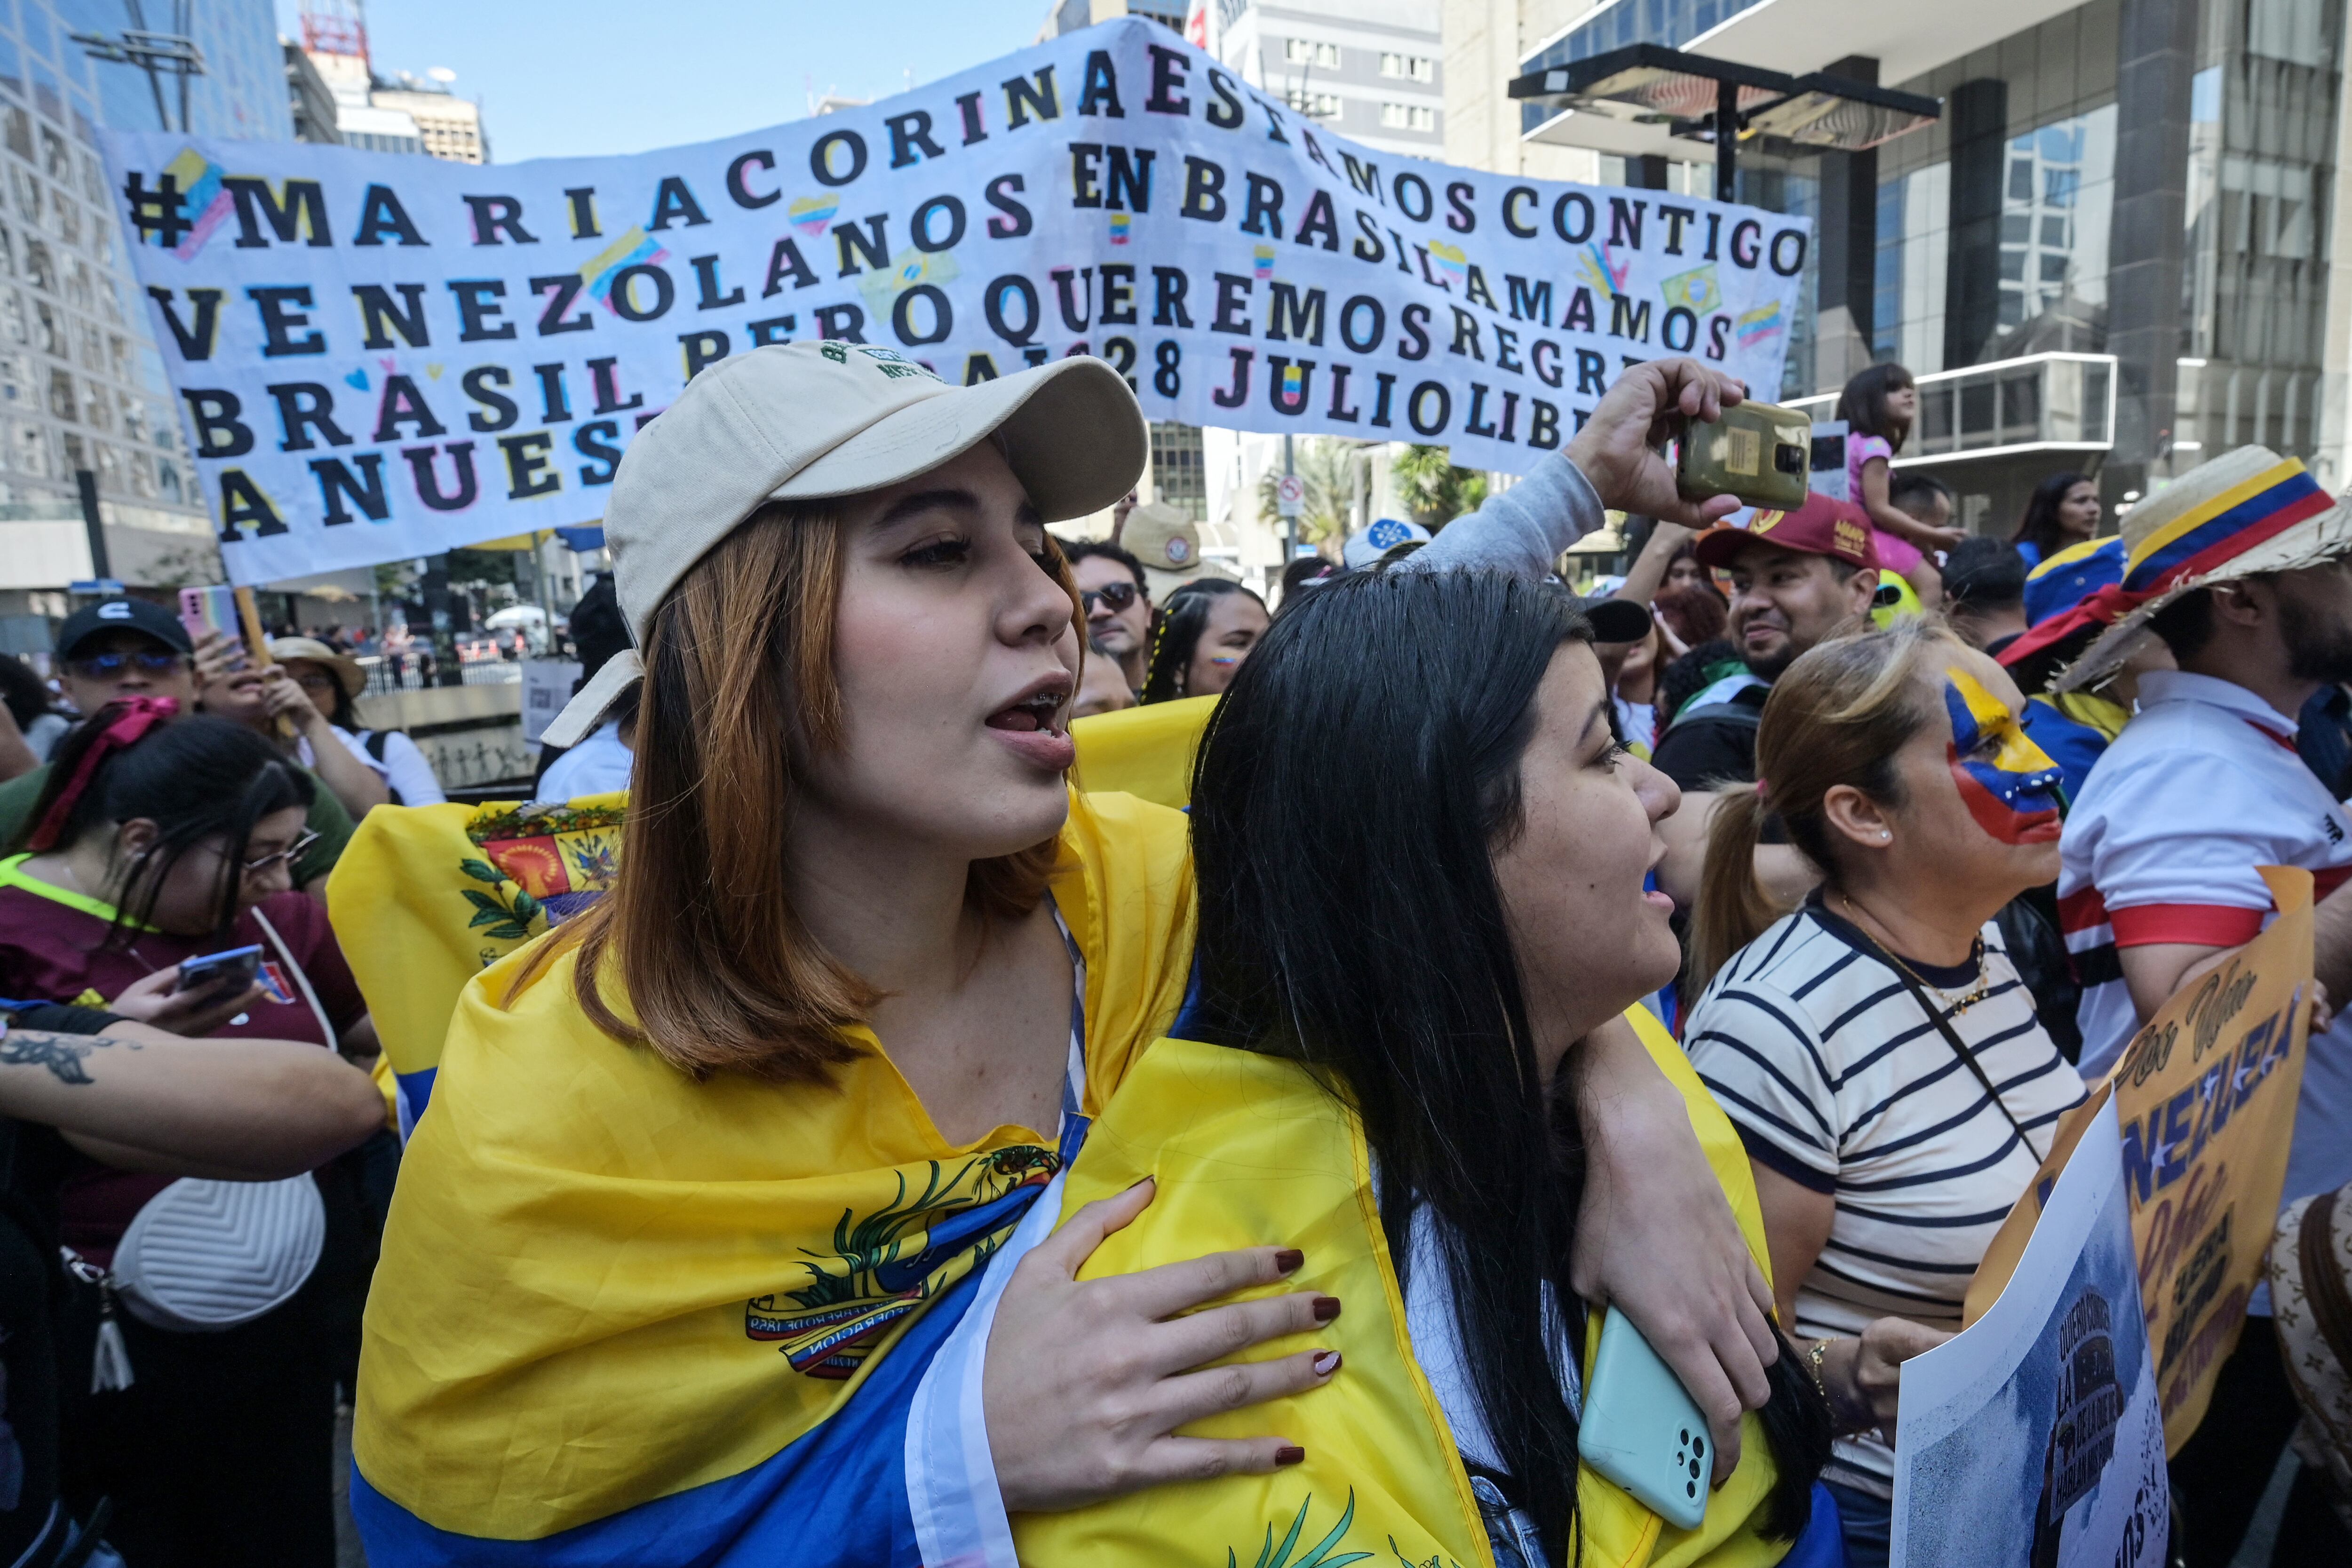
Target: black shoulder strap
1739, 715
1952, 1039
373, 741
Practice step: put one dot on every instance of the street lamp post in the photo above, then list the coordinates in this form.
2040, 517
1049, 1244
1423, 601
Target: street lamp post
1703, 98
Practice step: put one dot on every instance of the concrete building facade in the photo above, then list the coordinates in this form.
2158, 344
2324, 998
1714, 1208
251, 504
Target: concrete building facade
2117, 250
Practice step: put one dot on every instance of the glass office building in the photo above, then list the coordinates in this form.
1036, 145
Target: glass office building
81, 386
2110, 253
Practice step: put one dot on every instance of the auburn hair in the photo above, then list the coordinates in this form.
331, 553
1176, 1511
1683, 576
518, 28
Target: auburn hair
701, 928
1838, 716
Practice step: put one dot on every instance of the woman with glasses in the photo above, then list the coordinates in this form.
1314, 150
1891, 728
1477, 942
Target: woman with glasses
333, 682
156, 840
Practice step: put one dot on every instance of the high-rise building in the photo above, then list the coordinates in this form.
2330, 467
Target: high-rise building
82, 388
1372, 70
399, 112
2114, 250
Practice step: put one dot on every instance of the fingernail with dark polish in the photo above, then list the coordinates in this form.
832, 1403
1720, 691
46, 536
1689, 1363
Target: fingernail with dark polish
1290, 1455
1327, 1362
1289, 1259
1325, 1307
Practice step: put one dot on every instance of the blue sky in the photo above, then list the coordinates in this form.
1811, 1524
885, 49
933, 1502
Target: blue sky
585, 76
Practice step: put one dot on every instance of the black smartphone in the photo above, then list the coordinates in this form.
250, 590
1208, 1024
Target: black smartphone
232, 969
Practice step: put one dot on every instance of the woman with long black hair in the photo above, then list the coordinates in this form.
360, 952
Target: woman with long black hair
2063, 510
157, 840
1438, 959
1206, 629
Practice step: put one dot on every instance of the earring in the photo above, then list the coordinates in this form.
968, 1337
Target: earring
1885, 834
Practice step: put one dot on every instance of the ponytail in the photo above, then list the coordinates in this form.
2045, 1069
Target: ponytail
1838, 716
1733, 909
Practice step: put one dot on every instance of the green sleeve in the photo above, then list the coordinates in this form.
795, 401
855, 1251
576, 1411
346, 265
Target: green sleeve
18, 798
332, 824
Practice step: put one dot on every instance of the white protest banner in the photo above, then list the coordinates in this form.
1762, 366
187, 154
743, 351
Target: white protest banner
383, 356
2034, 1438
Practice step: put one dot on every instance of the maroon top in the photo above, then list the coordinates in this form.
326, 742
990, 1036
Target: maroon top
51, 950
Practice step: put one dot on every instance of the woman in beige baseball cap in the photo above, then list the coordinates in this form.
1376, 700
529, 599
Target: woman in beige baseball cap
868, 970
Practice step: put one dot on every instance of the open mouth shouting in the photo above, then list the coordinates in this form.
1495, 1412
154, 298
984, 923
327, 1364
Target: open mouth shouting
1031, 725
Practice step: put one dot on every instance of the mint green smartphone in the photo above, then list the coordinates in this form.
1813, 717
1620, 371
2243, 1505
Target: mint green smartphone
1642, 1430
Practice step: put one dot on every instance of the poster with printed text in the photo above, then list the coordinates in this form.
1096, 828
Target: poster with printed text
2205, 1096
382, 357
2033, 1439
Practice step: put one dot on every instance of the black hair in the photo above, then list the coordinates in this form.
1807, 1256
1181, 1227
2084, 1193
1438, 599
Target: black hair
600, 632
1981, 574
2186, 625
1080, 549
1372, 946
2038, 526
1181, 621
1911, 482
26, 697
194, 779
1863, 403
1306, 572
1693, 673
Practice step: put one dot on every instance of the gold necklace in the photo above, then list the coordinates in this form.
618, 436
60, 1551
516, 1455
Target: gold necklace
1976, 955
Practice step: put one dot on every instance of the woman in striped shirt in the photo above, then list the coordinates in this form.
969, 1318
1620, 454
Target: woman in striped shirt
1874, 1047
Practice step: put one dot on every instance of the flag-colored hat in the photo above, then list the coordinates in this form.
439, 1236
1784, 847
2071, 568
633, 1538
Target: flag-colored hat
2244, 514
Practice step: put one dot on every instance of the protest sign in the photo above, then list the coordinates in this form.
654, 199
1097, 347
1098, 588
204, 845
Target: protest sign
382, 357
2205, 1097
2043, 1415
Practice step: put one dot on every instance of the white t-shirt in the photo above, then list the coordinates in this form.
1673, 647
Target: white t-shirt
404, 768
1837, 1079
597, 765
1637, 722
2203, 786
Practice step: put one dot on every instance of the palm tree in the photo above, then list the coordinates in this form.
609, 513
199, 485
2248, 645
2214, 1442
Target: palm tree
1432, 488
1334, 481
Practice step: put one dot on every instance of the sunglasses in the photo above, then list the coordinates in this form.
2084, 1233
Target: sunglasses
288, 855
106, 666
1117, 595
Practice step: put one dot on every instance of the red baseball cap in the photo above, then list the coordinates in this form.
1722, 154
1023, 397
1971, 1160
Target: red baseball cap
1821, 527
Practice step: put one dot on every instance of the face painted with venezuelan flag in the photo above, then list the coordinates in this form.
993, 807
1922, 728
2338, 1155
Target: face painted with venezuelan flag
2008, 783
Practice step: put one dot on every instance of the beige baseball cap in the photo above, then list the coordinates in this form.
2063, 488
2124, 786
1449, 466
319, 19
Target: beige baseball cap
1169, 544
802, 421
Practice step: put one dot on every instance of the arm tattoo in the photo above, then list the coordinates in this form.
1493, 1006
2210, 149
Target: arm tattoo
61, 1054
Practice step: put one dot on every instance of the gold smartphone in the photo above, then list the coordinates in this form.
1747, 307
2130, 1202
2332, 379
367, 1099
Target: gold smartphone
1759, 452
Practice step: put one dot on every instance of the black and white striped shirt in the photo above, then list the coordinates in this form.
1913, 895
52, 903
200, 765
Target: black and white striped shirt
1836, 1079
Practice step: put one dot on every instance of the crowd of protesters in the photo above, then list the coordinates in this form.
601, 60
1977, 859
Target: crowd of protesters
1813, 874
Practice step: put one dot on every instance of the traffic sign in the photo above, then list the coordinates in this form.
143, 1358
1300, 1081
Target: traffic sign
1289, 494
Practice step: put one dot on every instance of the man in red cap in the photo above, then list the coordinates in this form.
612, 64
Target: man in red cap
1795, 575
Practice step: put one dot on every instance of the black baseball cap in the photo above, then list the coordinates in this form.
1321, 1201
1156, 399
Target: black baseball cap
122, 615
1616, 620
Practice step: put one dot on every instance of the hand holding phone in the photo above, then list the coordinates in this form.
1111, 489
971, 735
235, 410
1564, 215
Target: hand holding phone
234, 966
1759, 452
161, 1001
1641, 1429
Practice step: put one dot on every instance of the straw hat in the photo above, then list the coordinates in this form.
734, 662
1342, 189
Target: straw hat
347, 669
2245, 514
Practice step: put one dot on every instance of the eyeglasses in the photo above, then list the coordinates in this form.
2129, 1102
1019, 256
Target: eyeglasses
288, 855
1117, 595
106, 666
315, 680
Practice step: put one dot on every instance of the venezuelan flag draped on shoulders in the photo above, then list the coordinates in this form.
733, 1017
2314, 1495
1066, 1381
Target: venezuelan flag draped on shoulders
625, 1318
1246, 1147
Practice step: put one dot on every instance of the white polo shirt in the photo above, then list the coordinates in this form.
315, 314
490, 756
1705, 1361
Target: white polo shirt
2203, 786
